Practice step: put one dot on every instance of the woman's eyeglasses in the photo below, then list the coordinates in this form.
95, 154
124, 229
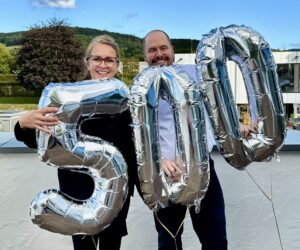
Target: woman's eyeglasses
108, 61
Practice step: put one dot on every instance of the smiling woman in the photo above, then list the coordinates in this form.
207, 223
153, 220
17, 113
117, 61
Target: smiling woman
102, 58
102, 61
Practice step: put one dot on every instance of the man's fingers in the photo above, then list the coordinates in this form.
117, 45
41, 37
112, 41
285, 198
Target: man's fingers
179, 162
171, 168
177, 169
168, 173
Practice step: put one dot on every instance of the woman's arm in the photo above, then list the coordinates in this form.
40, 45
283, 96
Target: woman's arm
32, 120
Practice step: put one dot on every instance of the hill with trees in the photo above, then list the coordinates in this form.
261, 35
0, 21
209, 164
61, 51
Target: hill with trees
130, 45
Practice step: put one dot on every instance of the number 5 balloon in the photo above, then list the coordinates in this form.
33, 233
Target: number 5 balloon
69, 148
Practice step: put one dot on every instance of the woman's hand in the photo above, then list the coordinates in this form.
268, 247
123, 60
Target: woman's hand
39, 119
172, 169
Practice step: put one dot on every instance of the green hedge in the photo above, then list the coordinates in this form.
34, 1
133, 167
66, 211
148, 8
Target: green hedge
11, 90
19, 100
8, 79
10, 87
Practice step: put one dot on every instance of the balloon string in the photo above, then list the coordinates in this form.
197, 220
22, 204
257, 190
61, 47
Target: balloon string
173, 236
271, 200
276, 221
6, 142
95, 244
277, 226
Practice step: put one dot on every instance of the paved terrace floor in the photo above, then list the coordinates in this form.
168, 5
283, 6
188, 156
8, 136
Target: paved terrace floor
262, 203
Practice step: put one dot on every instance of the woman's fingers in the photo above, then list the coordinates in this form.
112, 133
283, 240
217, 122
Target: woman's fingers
49, 119
44, 129
44, 116
38, 119
47, 110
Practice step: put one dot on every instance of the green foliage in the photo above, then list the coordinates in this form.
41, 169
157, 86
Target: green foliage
185, 46
12, 90
11, 39
130, 46
49, 54
10, 87
130, 70
19, 100
7, 79
14, 51
5, 59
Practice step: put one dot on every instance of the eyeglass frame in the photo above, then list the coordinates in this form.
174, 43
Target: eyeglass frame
103, 59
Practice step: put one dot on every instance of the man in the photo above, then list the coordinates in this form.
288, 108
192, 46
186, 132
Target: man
209, 224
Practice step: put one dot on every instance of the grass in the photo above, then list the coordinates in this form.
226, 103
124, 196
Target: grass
19, 107
19, 100
18, 103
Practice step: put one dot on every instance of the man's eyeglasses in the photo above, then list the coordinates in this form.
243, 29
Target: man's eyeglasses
108, 61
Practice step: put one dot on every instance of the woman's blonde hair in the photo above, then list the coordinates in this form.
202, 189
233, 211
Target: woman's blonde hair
103, 39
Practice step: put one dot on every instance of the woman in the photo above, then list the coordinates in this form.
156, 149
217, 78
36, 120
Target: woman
102, 61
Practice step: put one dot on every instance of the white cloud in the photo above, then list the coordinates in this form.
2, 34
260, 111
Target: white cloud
118, 26
65, 4
132, 14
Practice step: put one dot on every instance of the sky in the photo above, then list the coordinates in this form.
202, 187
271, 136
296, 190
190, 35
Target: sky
277, 21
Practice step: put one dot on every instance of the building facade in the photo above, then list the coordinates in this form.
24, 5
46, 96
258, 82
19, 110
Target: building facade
288, 69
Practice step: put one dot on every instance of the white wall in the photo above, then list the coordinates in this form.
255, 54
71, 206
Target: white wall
234, 73
236, 79
286, 57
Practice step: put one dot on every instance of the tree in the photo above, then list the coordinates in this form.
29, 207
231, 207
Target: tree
130, 70
5, 59
14, 52
50, 53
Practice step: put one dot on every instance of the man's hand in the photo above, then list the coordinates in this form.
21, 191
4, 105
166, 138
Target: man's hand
246, 130
172, 169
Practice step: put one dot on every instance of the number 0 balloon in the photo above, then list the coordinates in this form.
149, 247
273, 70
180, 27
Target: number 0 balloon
69, 148
175, 86
253, 55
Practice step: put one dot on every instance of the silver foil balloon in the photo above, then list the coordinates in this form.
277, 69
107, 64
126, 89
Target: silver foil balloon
253, 55
174, 85
70, 149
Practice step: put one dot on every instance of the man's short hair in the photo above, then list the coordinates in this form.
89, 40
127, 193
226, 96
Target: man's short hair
152, 31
